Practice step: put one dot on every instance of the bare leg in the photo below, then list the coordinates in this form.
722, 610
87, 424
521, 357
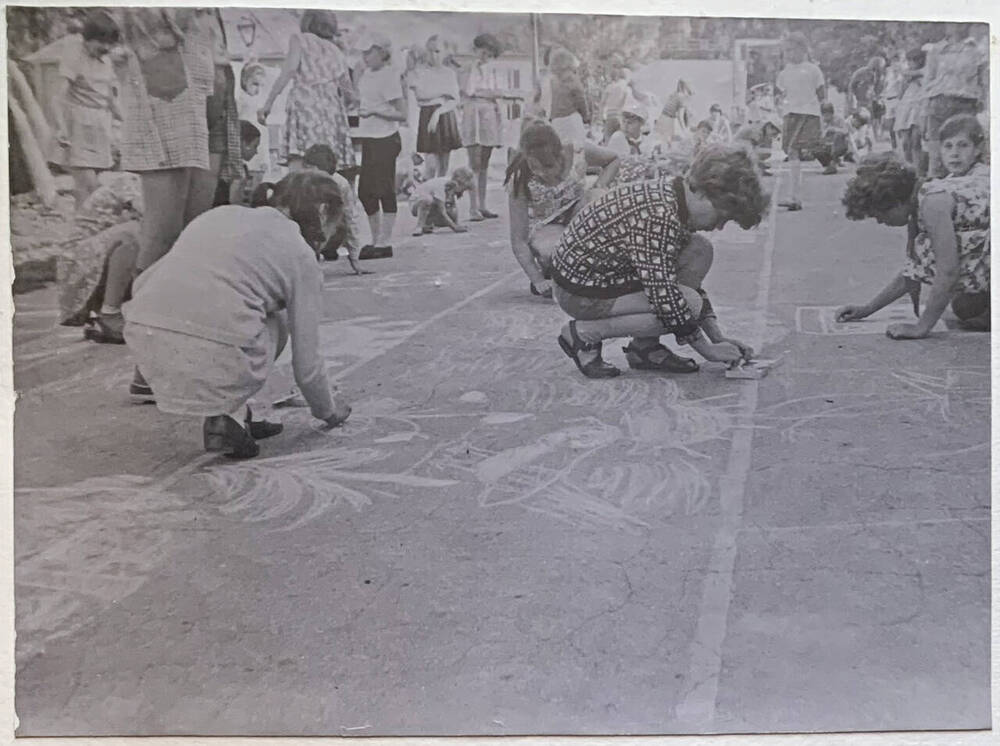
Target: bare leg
84, 184
443, 159
482, 175
475, 206
164, 195
375, 225
795, 166
121, 264
201, 193
430, 166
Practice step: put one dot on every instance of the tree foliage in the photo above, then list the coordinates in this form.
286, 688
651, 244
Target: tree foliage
30, 29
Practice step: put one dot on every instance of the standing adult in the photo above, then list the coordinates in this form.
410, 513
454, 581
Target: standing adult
322, 92
803, 89
435, 86
481, 122
167, 73
85, 103
954, 83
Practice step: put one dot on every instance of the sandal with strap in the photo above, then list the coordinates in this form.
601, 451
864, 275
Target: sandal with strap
260, 429
105, 329
639, 359
223, 433
596, 368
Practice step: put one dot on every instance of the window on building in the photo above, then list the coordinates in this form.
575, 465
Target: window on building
517, 79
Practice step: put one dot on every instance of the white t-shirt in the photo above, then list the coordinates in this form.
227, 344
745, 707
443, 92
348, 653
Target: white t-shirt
376, 89
431, 190
799, 84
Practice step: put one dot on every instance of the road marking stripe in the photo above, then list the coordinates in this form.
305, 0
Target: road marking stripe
697, 710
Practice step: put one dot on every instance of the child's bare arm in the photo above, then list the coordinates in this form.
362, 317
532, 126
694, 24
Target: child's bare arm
443, 209
936, 213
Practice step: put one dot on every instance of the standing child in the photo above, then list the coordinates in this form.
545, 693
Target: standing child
322, 158
431, 199
861, 134
249, 99
85, 104
570, 110
383, 107
910, 111
482, 126
803, 88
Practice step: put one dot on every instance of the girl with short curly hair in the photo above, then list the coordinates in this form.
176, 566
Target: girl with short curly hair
948, 244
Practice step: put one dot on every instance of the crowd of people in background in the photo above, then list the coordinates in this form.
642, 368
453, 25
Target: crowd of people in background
583, 175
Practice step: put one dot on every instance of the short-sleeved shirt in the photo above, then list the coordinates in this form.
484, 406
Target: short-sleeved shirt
431, 190
629, 241
434, 84
799, 83
614, 99
91, 81
376, 89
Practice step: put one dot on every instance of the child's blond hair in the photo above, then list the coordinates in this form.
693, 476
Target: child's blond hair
462, 178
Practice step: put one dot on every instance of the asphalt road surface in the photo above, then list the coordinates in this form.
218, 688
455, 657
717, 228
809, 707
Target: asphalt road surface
495, 545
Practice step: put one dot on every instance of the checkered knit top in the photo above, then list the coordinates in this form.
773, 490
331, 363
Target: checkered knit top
627, 241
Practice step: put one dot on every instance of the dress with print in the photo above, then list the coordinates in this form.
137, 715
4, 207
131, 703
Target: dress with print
555, 205
166, 75
109, 217
633, 168
317, 109
971, 219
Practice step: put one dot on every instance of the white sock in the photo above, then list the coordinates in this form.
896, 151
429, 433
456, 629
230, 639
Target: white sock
375, 223
239, 414
107, 310
388, 223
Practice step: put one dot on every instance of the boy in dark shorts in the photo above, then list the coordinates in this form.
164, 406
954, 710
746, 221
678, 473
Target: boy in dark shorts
803, 89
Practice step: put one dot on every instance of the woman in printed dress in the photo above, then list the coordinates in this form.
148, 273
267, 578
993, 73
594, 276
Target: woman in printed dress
321, 93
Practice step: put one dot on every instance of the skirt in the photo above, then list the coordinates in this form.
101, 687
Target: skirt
89, 134
445, 137
197, 376
481, 124
802, 133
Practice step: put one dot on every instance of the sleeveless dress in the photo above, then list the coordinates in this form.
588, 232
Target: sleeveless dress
971, 218
317, 111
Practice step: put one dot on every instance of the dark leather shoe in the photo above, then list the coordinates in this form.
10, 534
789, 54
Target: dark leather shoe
260, 429
223, 433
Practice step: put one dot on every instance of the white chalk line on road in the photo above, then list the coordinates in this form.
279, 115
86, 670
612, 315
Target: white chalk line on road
698, 708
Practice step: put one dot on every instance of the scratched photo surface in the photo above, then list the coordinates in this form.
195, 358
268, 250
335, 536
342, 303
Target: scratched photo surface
492, 543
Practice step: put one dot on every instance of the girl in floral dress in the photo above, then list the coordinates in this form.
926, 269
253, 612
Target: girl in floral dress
949, 247
321, 93
547, 184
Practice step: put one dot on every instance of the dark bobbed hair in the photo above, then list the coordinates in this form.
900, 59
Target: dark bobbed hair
539, 140
301, 194
962, 124
321, 156
99, 26
316, 20
728, 178
490, 42
882, 183
249, 132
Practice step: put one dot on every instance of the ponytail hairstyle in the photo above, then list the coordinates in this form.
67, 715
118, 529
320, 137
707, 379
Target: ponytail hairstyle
301, 194
539, 140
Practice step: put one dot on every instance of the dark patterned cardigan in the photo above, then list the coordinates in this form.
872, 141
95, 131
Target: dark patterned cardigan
627, 241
